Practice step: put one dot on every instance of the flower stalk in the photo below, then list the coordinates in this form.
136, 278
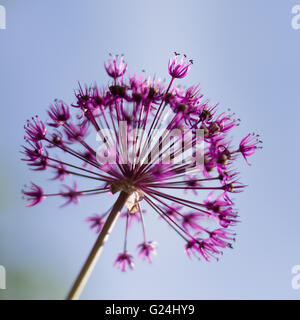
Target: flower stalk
93, 257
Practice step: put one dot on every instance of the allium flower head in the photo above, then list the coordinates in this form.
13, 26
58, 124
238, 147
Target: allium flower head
164, 147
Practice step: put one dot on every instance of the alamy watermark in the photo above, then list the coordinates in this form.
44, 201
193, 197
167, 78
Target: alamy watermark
2, 17
296, 278
132, 146
2, 277
296, 17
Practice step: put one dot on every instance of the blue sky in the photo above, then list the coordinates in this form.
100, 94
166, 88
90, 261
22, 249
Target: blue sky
246, 58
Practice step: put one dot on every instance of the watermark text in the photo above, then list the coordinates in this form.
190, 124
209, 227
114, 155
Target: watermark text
2, 277
296, 278
2, 17
296, 17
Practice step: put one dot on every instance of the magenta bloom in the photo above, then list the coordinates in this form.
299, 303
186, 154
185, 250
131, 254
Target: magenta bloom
116, 67
35, 194
97, 222
220, 238
123, 260
35, 130
60, 172
164, 146
173, 211
248, 146
71, 194
191, 220
146, 249
178, 69
59, 113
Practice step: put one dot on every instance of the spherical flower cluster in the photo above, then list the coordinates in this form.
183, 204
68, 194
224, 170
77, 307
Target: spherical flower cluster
203, 215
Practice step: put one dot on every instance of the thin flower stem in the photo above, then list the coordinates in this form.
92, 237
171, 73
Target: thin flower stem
91, 261
126, 232
75, 173
182, 181
73, 153
79, 168
156, 208
143, 224
154, 123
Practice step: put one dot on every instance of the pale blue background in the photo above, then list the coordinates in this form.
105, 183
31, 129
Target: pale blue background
246, 57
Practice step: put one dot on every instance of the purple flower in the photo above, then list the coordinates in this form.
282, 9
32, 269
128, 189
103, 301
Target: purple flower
222, 210
37, 157
34, 194
222, 123
190, 220
123, 260
71, 194
97, 222
248, 146
88, 156
56, 140
191, 247
221, 238
116, 67
35, 130
172, 211
76, 132
33, 152
160, 172
60, 172
178, 69
132, 217
59, 113
40, 164
146, 249
144, 91
136, 152
201, 248
192, 184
